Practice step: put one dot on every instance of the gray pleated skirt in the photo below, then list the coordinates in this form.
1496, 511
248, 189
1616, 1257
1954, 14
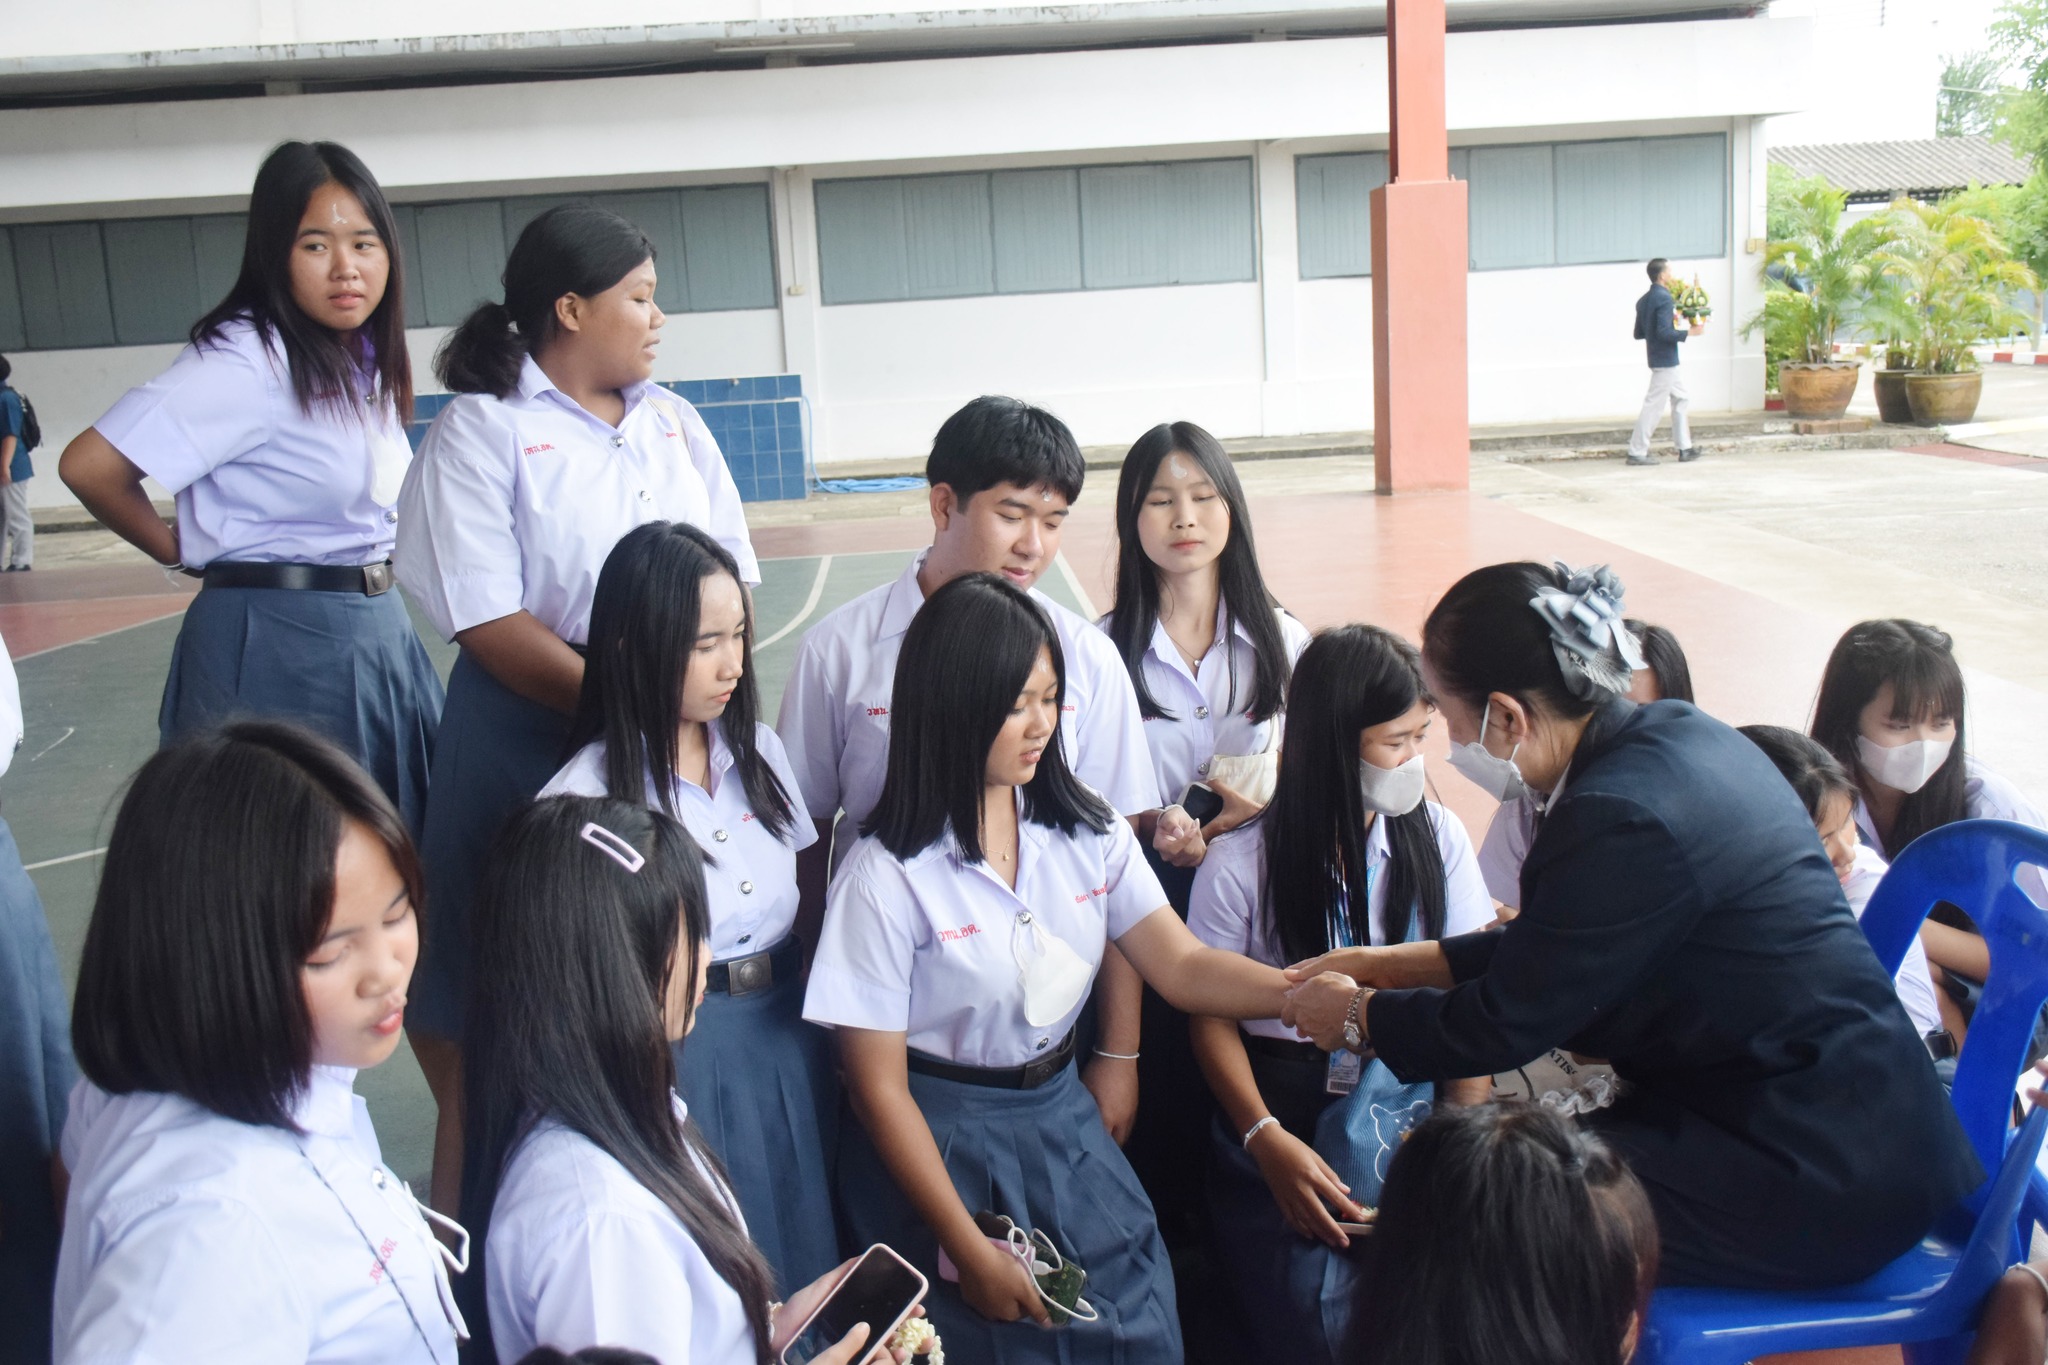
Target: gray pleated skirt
1043, 1158
1295, 1294
347, 666
495, 752
761, 1085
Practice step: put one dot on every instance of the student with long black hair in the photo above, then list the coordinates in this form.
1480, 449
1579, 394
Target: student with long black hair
1679, 919
558, 445
963, 935
250, 947
281, 431
669, 717
1348, 852
602, 1217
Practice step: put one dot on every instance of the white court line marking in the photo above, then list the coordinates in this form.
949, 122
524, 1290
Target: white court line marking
67, 858
1073, 579
69, 731
810, 603
88, 639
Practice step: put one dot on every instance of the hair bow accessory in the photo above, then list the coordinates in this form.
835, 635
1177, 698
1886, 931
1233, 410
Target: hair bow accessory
1596, 651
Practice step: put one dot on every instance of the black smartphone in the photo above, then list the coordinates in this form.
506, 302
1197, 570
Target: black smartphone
880, 1291
1202, 803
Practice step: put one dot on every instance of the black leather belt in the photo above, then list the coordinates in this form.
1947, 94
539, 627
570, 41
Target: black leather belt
368, 579
1027, 1077
756, 973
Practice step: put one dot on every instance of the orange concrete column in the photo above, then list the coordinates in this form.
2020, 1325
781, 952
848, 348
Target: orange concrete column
1421, 428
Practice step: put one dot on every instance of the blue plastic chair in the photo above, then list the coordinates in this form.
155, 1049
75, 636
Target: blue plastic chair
1929, 1298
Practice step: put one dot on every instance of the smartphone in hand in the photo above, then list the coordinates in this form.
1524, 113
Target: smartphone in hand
880, 1290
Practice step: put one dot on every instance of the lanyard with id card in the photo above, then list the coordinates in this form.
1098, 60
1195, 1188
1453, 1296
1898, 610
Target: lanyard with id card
1346, 1066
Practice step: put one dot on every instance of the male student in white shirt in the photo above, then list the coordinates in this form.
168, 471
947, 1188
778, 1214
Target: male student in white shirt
1003, 476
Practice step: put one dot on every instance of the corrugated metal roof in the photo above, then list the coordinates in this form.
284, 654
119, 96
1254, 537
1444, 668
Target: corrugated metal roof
1884, 170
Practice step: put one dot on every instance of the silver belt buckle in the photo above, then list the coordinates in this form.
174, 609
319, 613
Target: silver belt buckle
747, 975
377, 578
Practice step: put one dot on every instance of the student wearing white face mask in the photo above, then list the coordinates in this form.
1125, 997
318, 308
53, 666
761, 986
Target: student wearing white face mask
1347, 853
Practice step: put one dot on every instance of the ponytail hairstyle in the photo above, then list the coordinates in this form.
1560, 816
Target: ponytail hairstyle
1349, 679
1507, 628
1246, 600
570, 249
343, 372
574, 951
644, 625
1666, 659
1919, 662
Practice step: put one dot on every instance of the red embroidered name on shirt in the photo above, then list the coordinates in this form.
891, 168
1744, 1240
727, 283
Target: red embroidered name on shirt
955, 935
746, 817
878, 710
1082, 897
1070, 707
383, 1259
535, 450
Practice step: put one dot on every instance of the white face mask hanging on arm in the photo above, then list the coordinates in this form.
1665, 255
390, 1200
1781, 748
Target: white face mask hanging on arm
1498, 777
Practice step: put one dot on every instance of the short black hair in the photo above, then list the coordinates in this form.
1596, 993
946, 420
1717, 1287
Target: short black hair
996, 440
1805, 762
6, 369
967, 654
1657, 268
219, 882
1666, 659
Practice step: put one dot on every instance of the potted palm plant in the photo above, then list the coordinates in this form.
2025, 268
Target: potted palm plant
1814, 280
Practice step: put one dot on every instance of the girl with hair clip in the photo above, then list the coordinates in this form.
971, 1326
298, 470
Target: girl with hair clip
668, 718
1348, 852
558, 444
249, 952
1679, 919
602, 1216
281, 431
961, 940
1506, 1232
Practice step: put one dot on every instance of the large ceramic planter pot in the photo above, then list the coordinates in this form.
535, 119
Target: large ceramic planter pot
1890, 388
1817, 393
1940, 400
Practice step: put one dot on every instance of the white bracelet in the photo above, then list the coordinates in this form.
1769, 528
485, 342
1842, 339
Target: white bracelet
2038, 1278
1117, 1056
1253, 1131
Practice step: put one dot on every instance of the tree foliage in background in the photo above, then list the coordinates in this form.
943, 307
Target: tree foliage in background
1967, 103
1949, 276
2019, 40
1816, 271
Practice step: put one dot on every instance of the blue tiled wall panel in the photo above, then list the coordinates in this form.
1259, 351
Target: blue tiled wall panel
757, 421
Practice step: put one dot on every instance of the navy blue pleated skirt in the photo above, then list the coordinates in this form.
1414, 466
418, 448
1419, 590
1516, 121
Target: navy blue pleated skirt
36, 1075
760, 1083
347, 666
1295, 1293
1042, 1158
495, 752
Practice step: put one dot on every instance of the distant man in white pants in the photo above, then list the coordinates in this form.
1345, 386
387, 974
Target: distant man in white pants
1657, 328
18, 530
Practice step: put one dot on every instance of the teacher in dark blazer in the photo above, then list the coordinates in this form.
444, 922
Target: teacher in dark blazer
1680, 919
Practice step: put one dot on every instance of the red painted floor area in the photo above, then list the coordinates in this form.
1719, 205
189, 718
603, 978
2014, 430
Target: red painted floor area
47, 608
2002, 458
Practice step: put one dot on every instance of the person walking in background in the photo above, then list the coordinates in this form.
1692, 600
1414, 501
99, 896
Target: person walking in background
1657, 328
17, 438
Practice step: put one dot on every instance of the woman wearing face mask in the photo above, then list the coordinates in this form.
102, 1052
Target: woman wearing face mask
1348, 852
558, 445
281, 432
668, 718
1680, 919
962, 936
249, 953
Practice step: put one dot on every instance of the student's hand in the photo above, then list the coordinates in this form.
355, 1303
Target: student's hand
996, 1285
2036, 1096
795, 1313
1317, 1007
1237, 809
1304, 1186
1177, 839
1114, 1084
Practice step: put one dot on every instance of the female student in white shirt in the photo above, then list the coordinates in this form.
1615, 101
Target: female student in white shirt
249, 951
281, 432
603, 1217
558, 445
668, 718
960, 942
1347, 853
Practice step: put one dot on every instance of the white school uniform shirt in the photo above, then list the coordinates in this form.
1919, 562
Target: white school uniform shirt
924, 946
749, 874
581, 1254
1224, 907
1205, 719
1986, 796
835, 709
11, 728
255, 477
1914, 982
515, 502
192, 1237
1505, 848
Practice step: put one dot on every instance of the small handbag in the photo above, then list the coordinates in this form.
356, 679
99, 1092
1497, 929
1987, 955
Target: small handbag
1251, 776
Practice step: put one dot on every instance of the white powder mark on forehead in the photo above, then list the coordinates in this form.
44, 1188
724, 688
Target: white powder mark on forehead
1180, 471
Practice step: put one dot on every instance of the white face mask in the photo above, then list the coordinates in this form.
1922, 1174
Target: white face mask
1903, 767
1391, 791
1498, 777
1055, 977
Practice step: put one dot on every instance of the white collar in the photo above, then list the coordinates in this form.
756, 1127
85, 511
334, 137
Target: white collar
534, 383
327, 1106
